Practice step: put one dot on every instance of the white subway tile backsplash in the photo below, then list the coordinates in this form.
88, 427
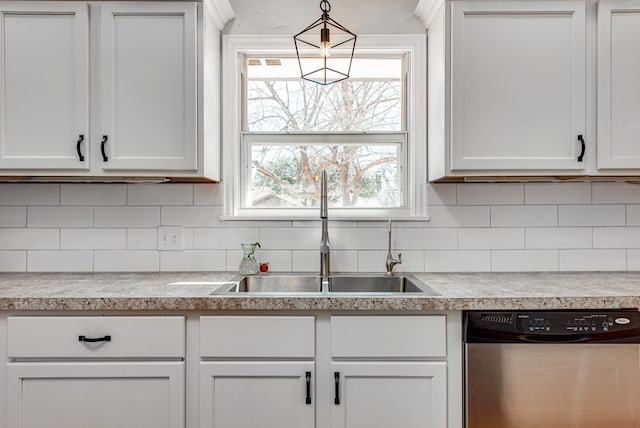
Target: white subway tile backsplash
591, 215
441, 194
29, 239
208, 194
60, 261
13, 216
293, 239
633, 260
616, 193
372, 261
633, 215
557, 193
193, 260
616, 237
142, 238
309, 261
486, 238
59, 216
13, 261
160, 194
192, 216
558, 237
524, 260
223, 238
490, 194
458, 261
357, 239
473, 227
97, 239
422, 239
126, 216
593, 260
279, 260
459, 216
524, 215
29, 194
93, 194
127, 260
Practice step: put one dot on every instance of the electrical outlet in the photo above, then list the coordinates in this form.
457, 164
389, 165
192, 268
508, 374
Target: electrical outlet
169, 238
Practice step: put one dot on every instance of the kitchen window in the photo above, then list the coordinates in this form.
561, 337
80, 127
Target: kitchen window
280, 131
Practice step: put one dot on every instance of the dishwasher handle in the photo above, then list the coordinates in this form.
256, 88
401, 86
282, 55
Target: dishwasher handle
490, 336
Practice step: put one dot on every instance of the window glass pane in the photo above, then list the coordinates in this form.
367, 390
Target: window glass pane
278, 100
360, 176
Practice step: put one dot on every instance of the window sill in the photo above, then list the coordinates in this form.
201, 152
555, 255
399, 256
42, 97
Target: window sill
331, 218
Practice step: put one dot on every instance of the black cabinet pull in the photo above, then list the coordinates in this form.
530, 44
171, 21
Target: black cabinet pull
80, 140
336, 377
104, 141
308, 376
94, 339
581, 155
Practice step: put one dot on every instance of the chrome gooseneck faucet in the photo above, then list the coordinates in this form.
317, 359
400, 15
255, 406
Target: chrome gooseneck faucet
391, 262
325, 252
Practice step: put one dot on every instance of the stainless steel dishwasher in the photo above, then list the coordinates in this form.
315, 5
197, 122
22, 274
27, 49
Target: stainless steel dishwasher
557, 369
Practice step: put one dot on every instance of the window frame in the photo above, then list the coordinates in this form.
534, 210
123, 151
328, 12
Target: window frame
236, 47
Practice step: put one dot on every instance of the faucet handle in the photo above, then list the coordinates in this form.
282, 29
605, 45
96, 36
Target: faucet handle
399, 258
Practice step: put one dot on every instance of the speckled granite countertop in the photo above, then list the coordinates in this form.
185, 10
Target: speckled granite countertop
192, 291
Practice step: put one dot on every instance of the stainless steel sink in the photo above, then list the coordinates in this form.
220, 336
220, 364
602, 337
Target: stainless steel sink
366, 284
340, 284
274, 284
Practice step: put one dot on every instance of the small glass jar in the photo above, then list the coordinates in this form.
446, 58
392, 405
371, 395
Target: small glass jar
249, 264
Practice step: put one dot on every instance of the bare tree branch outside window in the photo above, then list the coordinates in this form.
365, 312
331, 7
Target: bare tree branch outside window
360, 175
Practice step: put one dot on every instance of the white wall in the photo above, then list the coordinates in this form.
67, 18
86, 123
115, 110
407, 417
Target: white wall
473, 227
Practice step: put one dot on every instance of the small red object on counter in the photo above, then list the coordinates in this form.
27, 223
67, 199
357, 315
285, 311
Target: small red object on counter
264, 267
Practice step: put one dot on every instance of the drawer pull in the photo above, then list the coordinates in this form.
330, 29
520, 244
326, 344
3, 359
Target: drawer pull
104, 154
308, 376
336, 399
582, 147
80, 140
94, 339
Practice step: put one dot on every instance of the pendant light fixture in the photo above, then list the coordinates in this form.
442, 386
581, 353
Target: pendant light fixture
316, 46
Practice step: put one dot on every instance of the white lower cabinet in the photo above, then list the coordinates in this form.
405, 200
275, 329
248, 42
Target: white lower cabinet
88, 394
92, 371
389, 394
325, 371
248, 394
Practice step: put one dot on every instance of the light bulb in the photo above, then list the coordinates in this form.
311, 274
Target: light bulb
325, 43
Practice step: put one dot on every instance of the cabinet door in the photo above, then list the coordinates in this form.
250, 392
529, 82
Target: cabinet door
618, 84
257, 394
389, 394
105, 395
148, 86
518, 85
44, 93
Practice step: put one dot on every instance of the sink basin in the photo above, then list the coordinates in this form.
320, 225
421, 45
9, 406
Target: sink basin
274, 284
340, 284
380, 284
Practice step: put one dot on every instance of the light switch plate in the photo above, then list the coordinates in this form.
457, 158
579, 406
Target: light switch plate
169, 238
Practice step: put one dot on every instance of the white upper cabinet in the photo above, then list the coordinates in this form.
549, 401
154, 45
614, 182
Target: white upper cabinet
533, 88
44, 85
517, 85
618, 84
111, 89
148, 86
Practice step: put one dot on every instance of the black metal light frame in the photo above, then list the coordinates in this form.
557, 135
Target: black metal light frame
326, 23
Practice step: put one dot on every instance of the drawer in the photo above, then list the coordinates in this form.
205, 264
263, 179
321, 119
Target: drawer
257, 337
388, 336
86, 337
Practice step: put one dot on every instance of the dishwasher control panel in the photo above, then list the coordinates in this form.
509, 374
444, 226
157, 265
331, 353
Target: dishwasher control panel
502, 325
